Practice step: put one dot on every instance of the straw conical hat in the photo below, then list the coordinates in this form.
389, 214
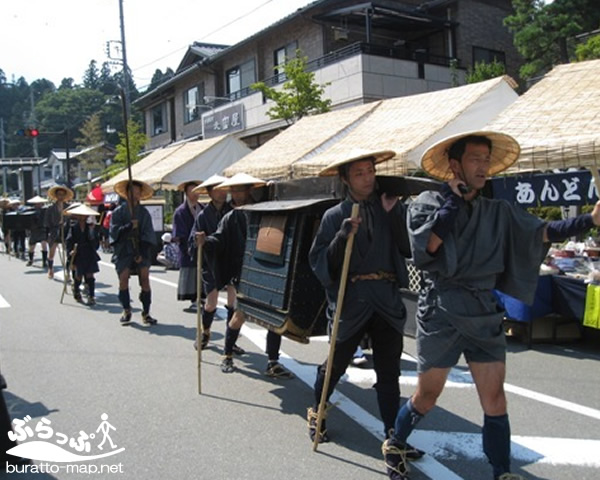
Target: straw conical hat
354, 156
71, 206
505, 152
209, 182
121, 189
4, 202
241, 179
183, 185
68, 193
37, 199
83, 210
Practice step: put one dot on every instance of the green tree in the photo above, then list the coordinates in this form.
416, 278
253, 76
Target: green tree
108, 84
485, 71
589, 50
299, 95
544, 33
160, 77
91, 77
65, 109
67, 84
137, 142
92, 134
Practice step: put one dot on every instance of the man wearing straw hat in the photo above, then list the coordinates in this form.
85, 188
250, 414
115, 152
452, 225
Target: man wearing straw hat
225, 249
372, 303
132, 238
53, 221
37, 233
466, 246
183, 221
207, 221
82, 242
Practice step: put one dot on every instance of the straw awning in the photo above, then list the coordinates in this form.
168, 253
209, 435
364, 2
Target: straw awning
557, 121
408, 125
140, 166
168, 167
309, 135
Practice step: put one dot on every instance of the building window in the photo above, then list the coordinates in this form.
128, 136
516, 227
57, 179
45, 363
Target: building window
158, 120
280, 56
240, 77
485, 55
192, 99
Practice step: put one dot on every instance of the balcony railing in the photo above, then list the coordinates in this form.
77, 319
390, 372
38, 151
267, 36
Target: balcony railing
352, 50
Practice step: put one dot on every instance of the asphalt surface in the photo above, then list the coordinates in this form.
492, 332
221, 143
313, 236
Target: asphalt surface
70, 363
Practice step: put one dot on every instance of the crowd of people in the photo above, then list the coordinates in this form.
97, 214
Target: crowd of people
466, 246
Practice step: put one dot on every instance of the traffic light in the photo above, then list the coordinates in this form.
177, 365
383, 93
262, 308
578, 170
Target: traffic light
28, 132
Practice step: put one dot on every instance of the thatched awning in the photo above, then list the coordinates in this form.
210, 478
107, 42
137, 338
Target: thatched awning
197, 160
309, 136
408, 125
557, 121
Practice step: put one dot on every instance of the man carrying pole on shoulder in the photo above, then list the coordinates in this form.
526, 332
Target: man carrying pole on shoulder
225, 249
377, 269
207, 221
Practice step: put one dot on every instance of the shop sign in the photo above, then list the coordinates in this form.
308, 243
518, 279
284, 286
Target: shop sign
553, 189
221, 122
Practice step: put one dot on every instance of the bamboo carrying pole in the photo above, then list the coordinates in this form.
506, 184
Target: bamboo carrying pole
199, 315
334, 329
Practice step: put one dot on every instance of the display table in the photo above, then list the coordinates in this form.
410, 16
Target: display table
568, 296
518, 311
558, 302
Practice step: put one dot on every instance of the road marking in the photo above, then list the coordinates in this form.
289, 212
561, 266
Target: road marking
555, 402
428, 465
153, 278
448, 445
459, 379
3, 302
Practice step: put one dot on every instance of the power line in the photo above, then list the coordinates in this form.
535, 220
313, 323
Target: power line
222, 27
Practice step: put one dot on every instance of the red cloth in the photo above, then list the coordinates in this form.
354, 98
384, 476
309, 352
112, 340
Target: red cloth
95, 197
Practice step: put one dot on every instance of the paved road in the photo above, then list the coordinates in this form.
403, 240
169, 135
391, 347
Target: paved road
70, 364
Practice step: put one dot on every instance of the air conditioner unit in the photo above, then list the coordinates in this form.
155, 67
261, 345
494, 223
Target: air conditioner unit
340, 34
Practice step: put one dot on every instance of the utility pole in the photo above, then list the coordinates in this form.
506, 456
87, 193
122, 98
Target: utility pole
126, 79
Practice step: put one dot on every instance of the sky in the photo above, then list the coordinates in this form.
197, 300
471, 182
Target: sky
56, 39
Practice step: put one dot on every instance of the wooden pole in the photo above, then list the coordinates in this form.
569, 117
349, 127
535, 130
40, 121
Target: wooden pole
68, 265
63, 253
199, 315
334, 329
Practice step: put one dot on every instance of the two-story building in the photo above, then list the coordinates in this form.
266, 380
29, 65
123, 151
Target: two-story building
361, 51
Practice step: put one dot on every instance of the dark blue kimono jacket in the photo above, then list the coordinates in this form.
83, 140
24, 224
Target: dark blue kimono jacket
381, 244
